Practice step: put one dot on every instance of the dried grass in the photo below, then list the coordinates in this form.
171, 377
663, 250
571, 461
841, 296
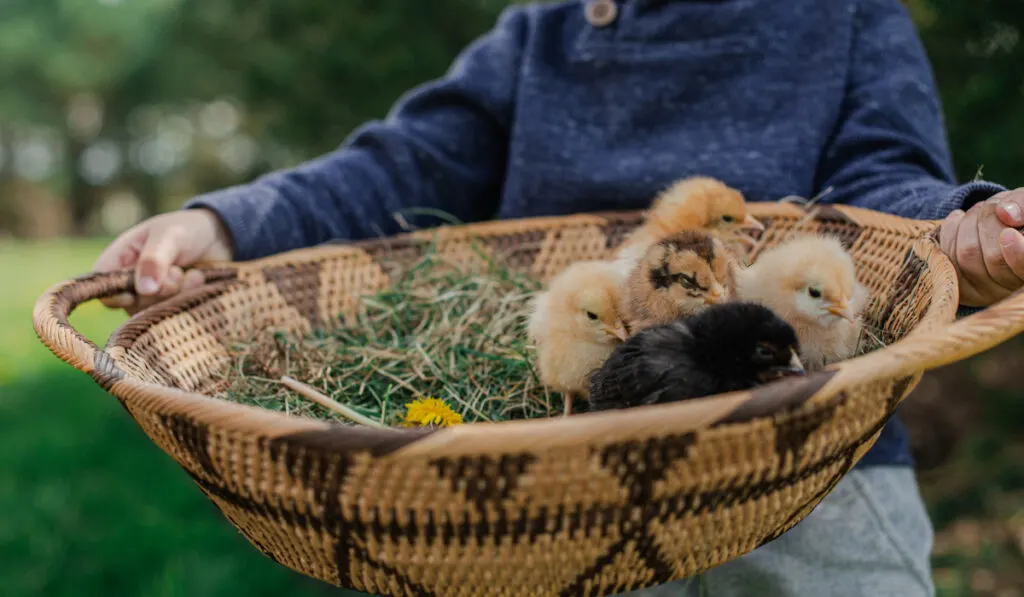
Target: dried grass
439, 331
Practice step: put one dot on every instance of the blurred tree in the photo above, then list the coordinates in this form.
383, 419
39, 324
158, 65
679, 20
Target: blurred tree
118, 82
311, 71
976, 50
69, 59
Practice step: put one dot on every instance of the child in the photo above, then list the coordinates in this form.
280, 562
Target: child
587, 105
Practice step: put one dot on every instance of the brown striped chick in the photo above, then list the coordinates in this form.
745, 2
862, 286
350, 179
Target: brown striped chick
677, 277
695, 202
575, 324
811, 283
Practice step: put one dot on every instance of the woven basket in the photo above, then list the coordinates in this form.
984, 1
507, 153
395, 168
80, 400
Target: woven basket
593, 504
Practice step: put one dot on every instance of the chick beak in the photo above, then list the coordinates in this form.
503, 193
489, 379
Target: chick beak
794, 368
619, 331
751, 223
842, 309
717, 296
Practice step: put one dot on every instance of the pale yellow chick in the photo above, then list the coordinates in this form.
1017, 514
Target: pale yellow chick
575, 324
695, 202
811, 283
677, 277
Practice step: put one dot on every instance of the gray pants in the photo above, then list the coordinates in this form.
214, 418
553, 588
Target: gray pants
870, 537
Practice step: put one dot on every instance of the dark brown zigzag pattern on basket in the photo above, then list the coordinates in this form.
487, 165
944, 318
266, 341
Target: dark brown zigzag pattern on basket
299, 285
590, 505
903, 287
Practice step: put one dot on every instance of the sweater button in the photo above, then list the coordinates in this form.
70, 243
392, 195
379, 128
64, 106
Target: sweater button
600, 13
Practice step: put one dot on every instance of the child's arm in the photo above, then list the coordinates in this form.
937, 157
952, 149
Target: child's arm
889, 151
442, 146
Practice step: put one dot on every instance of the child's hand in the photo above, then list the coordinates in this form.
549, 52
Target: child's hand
986, 248
159, 249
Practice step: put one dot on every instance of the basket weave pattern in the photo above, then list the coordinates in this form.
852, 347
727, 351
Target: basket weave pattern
593, 504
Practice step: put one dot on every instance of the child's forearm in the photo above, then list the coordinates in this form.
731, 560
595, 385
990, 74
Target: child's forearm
913, 195
443, 146
889, 151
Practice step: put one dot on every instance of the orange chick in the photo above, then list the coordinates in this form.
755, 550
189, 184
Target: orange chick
677, 277
575, 324
811, 282
695, 202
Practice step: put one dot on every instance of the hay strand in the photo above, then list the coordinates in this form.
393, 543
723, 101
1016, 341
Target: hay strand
312, 394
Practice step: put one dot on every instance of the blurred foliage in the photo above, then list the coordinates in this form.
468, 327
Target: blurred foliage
55, 49
965, 423
976, 50
309, 71
143, 85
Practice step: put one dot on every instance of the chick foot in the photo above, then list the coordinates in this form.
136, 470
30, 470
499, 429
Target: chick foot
567, 400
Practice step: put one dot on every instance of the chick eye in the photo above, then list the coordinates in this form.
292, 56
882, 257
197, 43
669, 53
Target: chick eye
689, 281
728, 219
814, 293
592, 315
763, 351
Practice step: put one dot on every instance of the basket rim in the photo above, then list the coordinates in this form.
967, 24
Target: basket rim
906, 358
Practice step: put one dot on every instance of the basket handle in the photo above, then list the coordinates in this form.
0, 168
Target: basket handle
933, 349
52, 309
50, 320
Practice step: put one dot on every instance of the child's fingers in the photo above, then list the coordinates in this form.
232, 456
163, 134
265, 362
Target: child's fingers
947, 241
155, 260
967, 249
1011, 243
123, 252
118, 254
989, 229
977, 288
947, 233
119, 301
172, 283
1011, 208
193, 279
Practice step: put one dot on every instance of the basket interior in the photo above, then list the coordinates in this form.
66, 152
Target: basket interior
182, 343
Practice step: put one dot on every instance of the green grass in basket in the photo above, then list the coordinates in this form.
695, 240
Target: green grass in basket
439, 331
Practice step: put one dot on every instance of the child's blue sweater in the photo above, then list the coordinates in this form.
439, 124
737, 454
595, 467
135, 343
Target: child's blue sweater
554, 113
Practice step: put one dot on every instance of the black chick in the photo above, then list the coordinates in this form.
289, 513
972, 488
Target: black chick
725, 348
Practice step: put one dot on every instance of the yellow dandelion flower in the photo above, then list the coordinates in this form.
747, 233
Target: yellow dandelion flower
430, 411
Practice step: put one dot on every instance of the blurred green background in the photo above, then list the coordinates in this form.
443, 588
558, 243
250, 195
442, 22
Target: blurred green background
112, 110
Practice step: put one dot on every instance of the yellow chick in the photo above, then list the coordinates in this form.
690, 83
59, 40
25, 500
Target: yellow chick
677, 277
695, 202
575, 324
810, 282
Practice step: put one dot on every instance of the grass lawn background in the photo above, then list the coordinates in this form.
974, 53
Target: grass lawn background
92, 507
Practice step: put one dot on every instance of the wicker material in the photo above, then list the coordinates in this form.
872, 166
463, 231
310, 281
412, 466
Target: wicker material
592, 504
